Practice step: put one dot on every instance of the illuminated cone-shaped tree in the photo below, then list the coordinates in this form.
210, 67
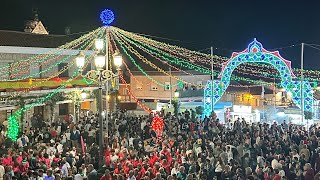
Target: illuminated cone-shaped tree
157, 125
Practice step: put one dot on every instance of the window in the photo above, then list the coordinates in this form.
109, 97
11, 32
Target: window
87, 69
66, 72
153, 87
139, 87
185, 86
125, 92
6, 73
167, 86
199, 85
63, 109
34, 71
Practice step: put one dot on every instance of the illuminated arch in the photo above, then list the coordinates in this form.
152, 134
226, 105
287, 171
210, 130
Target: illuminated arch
256, 53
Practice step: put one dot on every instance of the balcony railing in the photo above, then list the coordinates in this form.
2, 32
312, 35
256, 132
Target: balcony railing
191, 93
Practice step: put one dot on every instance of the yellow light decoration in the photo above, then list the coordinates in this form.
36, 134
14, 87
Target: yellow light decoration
43, 63
40, 83
16, 67
145, 60
166, 63
248, 69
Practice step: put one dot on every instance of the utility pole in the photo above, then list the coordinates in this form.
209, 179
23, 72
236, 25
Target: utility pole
212, 78
170, 87
302, 80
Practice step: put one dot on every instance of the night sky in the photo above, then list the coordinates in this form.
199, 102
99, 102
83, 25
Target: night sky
226, 25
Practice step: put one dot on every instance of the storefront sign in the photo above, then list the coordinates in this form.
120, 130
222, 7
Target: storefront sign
242, 109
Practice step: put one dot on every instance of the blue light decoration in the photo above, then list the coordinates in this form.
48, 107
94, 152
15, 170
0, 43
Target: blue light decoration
256, 53
107, 17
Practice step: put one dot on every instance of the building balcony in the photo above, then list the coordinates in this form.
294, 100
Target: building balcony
191, 93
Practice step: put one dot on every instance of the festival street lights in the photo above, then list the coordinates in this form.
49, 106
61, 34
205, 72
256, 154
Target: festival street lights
100, 76
176, 96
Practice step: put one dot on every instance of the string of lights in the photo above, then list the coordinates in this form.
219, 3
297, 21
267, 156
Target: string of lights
256, 68
155, 67
87, 45
133, 51
165, 62
43, 62
139, 103
172, 56
36, 60
13, 122
53, 64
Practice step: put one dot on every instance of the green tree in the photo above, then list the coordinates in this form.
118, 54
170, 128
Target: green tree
175, 107
22, 104
308, 115
199, 110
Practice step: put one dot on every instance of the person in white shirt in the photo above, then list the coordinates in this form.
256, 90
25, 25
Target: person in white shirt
60, 148
23, 141
175, 169
2, 171
275, 163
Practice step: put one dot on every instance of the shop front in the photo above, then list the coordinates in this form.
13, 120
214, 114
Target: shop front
245, 112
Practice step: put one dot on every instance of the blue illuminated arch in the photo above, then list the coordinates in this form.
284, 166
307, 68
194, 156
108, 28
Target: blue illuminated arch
256, 53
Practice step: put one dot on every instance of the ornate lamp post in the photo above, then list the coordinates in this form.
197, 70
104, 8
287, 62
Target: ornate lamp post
100, 76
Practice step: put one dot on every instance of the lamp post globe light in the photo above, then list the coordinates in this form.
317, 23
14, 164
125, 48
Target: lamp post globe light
99, 61
100, 76
117, 59
99, 44
176, 96
80, 59
83, 95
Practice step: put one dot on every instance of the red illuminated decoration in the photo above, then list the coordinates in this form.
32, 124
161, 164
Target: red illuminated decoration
157, 124
57, 79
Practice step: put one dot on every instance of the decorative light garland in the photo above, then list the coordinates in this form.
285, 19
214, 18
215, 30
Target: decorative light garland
205, 57
139, 103
45, 70
164, 55
22, 64
131, 74
13, 124
124, 44
154, 66
35, 85
44, 62
165, 62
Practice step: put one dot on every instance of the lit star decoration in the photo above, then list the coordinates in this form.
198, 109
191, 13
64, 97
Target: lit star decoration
157, 124
106, 17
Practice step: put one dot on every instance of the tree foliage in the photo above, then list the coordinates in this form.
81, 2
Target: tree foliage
199, 110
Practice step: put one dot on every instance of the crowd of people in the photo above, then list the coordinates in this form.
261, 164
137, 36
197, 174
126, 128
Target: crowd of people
189, 147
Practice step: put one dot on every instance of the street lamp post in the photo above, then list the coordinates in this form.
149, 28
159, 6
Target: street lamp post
177, 95
100, 76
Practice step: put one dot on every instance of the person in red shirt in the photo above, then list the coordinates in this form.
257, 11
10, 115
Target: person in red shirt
156, 168
141, 170
166, 166
118, 169
106, 175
